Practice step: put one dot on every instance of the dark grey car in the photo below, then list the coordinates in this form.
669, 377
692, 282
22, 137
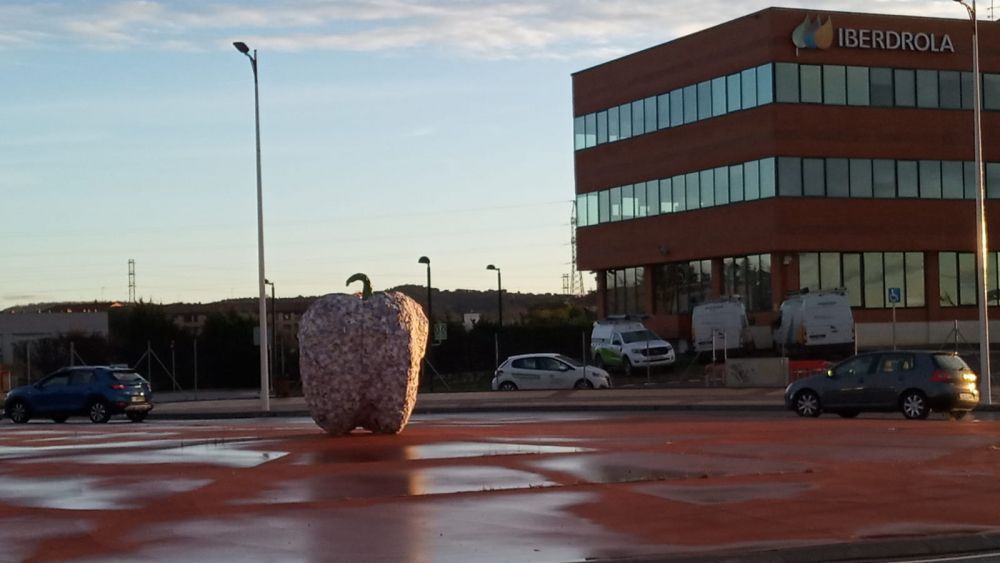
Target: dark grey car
913, 382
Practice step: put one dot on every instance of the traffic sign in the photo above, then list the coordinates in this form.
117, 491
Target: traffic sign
895, 295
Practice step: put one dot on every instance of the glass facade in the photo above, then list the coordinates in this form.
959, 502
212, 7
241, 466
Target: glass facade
791, 176
715, 97
866, 276
788, 83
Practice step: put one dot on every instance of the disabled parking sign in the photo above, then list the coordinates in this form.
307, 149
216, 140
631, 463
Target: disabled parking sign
895, 295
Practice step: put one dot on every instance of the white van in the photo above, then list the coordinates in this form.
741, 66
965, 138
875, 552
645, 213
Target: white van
624, 342
815, 322
720, 324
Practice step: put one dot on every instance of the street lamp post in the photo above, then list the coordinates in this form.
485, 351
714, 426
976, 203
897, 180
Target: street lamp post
430, 318
430, 310
273, 332
499, 295
499, 312
981, 239
265, 392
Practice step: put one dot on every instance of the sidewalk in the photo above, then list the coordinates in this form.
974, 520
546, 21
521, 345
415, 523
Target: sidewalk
245, 403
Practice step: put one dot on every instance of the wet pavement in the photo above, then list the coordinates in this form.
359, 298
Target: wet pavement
492, 487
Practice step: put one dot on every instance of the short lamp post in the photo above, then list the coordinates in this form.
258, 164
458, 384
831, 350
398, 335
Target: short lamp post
499, 312
265, 387
273, 331
430, 318
981, 239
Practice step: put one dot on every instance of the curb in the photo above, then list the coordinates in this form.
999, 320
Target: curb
860, 550
513, 408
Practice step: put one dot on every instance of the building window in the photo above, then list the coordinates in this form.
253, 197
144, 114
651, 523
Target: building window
679, 286
624, 291
957, 278
750, 278
866, 276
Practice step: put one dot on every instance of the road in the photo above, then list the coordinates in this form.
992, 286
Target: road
494, 487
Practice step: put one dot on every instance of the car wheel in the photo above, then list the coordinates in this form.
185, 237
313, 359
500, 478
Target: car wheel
807, 404
848, 414
98, 412
583, 384
958, 415
59, 419
19, 412
137, 416
626, 366
508, 386
599, 361
914, 405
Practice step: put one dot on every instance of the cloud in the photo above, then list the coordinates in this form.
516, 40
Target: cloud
480, 29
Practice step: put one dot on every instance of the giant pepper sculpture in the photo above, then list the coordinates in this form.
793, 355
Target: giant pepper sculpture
360, 359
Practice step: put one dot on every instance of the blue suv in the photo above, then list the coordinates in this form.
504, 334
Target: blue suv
97, 392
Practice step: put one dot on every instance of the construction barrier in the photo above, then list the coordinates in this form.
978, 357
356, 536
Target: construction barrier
798, 369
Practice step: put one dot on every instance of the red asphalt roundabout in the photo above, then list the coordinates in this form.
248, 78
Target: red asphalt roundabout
492, 487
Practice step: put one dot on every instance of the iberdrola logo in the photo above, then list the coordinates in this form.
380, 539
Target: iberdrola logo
812, 34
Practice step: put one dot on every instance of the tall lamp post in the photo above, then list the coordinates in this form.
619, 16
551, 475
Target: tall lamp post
981, 240
265, 392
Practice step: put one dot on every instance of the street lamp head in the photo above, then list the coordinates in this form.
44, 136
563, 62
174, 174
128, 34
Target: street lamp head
242, 47
424, 260
492, 267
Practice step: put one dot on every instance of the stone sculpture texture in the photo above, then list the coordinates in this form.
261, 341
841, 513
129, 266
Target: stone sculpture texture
360, 360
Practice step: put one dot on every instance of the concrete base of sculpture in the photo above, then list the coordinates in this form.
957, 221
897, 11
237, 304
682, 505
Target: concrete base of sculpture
360, 361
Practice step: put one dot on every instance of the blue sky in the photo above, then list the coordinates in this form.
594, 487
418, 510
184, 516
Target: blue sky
391, 129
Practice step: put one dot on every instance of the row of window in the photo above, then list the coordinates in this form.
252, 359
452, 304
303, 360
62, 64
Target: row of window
787, 176
695, 190
785, 83
678, 287
881, 87
742, 90
867, 277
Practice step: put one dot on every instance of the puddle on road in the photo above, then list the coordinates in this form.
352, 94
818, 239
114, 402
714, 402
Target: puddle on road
535, 527
15, 452
726, 494
433, 451
417, 482
226, 455
630, 467
87, 493
20, 536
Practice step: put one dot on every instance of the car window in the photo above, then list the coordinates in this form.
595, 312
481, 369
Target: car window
55, 381
950, 361
127, 376
859, 365
82, 377
524, 363
893, 364
638, 336
550, 364
570, 361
